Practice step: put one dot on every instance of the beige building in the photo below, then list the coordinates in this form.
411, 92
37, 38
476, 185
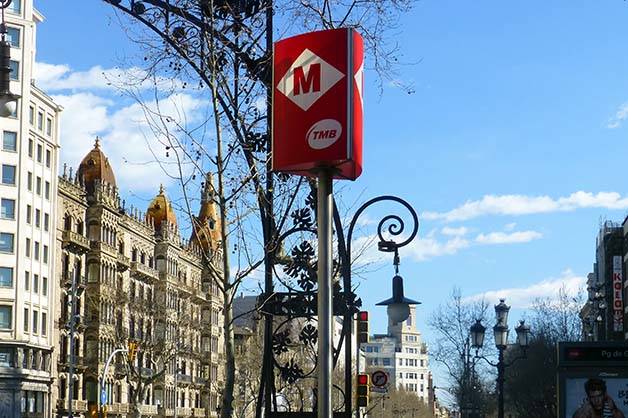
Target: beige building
29, 144
135, 280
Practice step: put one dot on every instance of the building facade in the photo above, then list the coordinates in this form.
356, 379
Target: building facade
28, 188
125, 277
403, 355
604, 315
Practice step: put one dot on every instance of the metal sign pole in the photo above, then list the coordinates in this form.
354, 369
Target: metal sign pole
325, 293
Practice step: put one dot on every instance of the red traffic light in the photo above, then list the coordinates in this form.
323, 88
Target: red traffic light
363, 316
363, 379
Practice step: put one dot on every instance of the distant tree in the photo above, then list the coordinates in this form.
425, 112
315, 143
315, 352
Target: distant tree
552, 321
451, 323
399, 403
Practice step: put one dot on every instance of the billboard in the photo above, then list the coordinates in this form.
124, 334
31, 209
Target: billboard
618, 303
317, 103
596, 396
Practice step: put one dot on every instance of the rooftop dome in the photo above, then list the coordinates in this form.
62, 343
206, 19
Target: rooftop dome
95, 166
161, 210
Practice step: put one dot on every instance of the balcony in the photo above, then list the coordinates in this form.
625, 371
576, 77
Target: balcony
184, 378
198, 412
77, 405
143, 272
148, 409
103, 247
74, 242
65, 360
184, 412
123, 262
200, 380
118, 408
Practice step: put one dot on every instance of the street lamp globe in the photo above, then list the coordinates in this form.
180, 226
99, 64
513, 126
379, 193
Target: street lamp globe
477, 334
523, 334
501, 312
501, 335
398, 306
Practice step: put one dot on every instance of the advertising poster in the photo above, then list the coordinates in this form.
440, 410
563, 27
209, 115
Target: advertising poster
596, 397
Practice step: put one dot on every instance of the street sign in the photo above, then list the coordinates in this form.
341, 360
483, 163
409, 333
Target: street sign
379, 378
103, 397
317, 103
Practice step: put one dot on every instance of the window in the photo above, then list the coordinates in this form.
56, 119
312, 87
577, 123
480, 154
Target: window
48, 158
35, 321
44, 286
29, 181
47, 190
27, 280
26, 318
6, 277
15, 70
36, 283
7, 208
28, 247
6, 316
37, 218
46, 222
40, 152
6, 242
31, 120
6, 356
29, 214
386, 361
48, 126
36, 250
15, 7
8, 174
9, 141
38, 186
13, 36
45, 254
40, 121
44, 318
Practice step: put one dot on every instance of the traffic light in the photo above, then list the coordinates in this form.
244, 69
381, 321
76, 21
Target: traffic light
133, 347
363, 390
363, 327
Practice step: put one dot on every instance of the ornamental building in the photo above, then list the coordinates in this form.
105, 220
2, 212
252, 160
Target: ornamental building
127, 280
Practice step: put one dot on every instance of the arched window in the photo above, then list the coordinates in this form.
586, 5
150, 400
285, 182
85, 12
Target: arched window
67, 222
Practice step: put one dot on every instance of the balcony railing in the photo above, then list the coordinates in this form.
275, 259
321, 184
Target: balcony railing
124, 262
74, 242
101, 246
198, 412
200, 380
184, 378
140, 270
148, 409
184, 412
77, 405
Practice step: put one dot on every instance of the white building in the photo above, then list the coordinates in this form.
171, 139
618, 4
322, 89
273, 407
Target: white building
29, 145
402, 355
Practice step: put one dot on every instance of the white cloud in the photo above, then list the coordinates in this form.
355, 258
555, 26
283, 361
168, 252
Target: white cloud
60, 77
456, 232
511, 238
524, 205
124, 132
620, 116
510, 226
422, 249
524, 297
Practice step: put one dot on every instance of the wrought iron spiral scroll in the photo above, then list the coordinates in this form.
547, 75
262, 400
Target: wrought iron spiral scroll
5, 3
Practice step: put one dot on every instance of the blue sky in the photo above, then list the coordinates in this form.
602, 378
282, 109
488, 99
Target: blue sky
511, 148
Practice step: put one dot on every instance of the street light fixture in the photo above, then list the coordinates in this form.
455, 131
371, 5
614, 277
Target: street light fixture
500, 331
8, 100
398, 305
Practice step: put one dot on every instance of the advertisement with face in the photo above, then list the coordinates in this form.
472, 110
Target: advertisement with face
596, 397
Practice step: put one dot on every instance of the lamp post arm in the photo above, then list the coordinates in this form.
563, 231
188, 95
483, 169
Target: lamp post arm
490, 363
521, 356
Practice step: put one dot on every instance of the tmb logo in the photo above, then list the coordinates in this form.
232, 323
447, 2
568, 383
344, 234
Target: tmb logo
323, 133
308, 79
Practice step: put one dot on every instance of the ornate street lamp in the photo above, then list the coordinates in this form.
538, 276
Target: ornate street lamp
8, 100
398, 305
500, 331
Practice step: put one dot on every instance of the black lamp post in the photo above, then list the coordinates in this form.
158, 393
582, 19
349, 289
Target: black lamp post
8, 100
500, 331
398, 305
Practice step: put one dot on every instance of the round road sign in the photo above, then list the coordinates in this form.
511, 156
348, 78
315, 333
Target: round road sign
379, 378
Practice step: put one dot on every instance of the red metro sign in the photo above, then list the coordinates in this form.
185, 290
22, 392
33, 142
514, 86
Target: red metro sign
317, 103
